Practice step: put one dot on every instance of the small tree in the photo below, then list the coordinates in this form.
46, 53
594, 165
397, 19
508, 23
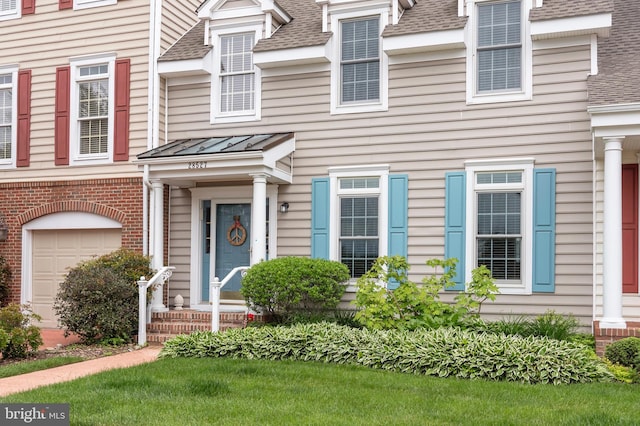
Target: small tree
280, 287
98, 300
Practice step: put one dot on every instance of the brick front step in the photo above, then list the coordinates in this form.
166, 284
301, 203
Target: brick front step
166, 325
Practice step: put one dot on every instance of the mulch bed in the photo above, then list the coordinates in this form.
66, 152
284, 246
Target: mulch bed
86, 352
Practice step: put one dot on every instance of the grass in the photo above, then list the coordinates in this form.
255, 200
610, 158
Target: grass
198, 391
27, 366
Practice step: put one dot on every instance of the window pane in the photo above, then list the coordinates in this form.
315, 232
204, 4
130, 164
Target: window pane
237, 92
93, 136
360, 57
501, 256
358, 232
5, 142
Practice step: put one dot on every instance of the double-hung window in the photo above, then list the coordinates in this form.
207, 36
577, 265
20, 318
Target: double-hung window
499, 220
359, 69
236, 82
92, 109
499, 47
9, 9
237, 75
359, 235
6, 117
499, 64
360, 60
501, 214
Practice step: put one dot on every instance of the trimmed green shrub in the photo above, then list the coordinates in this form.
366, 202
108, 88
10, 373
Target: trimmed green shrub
98, 300
622, 373
283, 286
443, 352
625, 352
412, 306
5, 278
19, 338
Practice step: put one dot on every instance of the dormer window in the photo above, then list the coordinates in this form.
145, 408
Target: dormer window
499, 57
235, 79
360, 60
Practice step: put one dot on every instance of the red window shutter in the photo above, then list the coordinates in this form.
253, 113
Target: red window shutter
121, 122
630, 228
65, 4
28, 7
24, 118
62, 117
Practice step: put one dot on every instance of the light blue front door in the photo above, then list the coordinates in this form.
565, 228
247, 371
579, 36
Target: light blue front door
233, 243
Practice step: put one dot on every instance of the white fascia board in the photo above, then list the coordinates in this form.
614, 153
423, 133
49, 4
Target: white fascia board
276, 11
185, 67
577, 25
293, 56
423, 42
273, 155
615, 120
407, 4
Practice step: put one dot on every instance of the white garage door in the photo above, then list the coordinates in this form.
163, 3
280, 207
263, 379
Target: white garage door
54, 252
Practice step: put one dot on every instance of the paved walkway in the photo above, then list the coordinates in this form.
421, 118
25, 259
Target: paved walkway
68, 372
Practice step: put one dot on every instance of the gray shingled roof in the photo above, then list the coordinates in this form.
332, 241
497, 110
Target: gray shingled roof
304, 30
427, 16
618, 59
189, 46
553, 9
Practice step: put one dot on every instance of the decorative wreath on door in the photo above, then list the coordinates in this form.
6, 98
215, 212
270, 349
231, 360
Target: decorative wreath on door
236, 234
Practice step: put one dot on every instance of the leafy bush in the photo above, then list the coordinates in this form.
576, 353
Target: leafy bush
622, 373
18, 336
410, 305
98, 300
5, 278
550, 324
625, 352
443, 352
283, 286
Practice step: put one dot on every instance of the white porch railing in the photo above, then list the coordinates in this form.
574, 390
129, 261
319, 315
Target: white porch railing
214, 292
144, 317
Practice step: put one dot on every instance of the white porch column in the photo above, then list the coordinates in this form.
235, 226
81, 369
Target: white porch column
259, 219
157, 250
612, 255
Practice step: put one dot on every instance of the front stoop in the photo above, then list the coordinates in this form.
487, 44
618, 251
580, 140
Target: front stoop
166, 325
606, 336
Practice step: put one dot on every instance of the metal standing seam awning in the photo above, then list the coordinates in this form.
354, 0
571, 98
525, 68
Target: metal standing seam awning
222, 158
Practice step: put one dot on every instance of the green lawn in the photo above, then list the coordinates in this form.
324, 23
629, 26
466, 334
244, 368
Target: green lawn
28, 366
188, 391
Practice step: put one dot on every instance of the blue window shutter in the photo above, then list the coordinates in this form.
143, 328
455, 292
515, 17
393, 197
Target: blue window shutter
544, 230
320, 218
398, 218
455, 222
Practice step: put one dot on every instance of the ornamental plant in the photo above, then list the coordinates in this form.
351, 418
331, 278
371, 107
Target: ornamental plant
19, 338
283, 286
625, 352
412, 306
98, 299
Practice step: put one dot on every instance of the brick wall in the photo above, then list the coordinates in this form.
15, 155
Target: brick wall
605, 336
20, 202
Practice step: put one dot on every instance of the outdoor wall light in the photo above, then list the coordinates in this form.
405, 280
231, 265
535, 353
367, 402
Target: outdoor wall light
4, 229
284, 207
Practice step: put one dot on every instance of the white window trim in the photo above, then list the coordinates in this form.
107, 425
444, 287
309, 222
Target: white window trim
12, 14
383, 103
13, 70
88, 4
335, 173
74, 132
525, 165
241, 116
525, 93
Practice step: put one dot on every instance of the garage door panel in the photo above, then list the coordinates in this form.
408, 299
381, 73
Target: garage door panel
54, 253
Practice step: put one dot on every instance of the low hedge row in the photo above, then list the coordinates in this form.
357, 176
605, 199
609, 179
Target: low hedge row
444, 352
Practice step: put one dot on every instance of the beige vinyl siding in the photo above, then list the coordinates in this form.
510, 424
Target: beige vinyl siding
46, 40
427, 131
180, 247
178, 16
